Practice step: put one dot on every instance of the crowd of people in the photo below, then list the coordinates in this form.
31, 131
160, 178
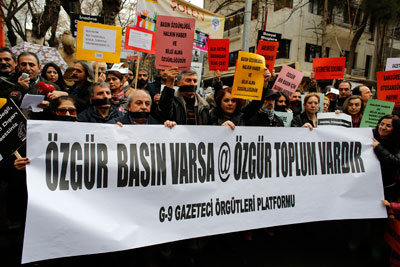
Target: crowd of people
110, 96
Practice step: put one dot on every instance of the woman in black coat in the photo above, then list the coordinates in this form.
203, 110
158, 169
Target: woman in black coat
387, 148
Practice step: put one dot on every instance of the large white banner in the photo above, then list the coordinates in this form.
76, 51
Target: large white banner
99, 188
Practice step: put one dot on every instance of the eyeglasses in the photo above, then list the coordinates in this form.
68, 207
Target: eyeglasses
389, 126
63, 111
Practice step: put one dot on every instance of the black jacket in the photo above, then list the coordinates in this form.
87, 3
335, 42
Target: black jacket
91, 115
172, 107
300, 120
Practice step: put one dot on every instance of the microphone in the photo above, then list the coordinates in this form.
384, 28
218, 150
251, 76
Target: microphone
16, 96
44, 88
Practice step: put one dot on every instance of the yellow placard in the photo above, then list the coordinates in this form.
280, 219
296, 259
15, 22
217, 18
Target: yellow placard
98, 42
3, 101
249, 76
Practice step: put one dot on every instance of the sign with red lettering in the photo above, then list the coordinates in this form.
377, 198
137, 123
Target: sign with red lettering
329, 68
140, 39
269, 50
288, 80
174, 42
218, 54
389, 86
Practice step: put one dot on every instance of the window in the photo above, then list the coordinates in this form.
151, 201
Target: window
314, 51
233, 56
237, 18
279, 4
346, 54
316, 7
252, 49
284, 49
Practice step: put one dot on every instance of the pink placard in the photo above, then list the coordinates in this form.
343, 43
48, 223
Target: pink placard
174, 42
288, 80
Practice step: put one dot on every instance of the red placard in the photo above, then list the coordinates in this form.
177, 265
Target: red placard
389, 86
174, 42
140, 39
218, 54
329, 68
269, 50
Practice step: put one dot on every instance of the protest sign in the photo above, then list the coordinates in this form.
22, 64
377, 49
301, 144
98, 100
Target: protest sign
393, 63
198, 68
218, 54
389, 86
248, 82
97, 188
200, 41
98, 42
88, 18
375, 110
127, 54
329, 68
268, 36
140, 39
12, 128
268, 50
332, 119
286, 117
174, 42
288, 80
147, 12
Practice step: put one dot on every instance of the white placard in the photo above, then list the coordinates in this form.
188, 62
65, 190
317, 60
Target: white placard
97, 188
393, 63
140, 39
99, 40
331, 119
286, 117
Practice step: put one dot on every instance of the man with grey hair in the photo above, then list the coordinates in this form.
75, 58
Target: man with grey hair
184, 106
139, 105
82, 75
100, 110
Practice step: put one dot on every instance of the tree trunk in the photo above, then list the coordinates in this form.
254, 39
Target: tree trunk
354, 42
110, 10
42, 22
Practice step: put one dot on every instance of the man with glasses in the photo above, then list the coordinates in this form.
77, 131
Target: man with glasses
185, 106
344, 92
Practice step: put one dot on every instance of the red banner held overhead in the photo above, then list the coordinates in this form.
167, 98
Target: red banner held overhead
389, 86
218, 54
269, 50
329, 68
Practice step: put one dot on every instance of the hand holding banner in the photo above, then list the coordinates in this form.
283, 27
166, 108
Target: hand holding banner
269, 50
174, 42
249, 76
329, 68
218, 54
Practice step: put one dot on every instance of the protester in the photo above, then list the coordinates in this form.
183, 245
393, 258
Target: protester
332, 94
64, 108
131, 77
282, 102
354, 107
266, 115
344, 88
386, 144
364, 92
184, 106
139, 105
295, 102
52, 73
116, 80
7, 62
308, 118
82, 75
101, 110
142, 78
101, 71
326, 104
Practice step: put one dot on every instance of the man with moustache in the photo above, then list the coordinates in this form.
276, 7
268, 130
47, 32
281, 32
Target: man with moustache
100, 109
266, 115
7, 62
82, 75
295, 103
143, 79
